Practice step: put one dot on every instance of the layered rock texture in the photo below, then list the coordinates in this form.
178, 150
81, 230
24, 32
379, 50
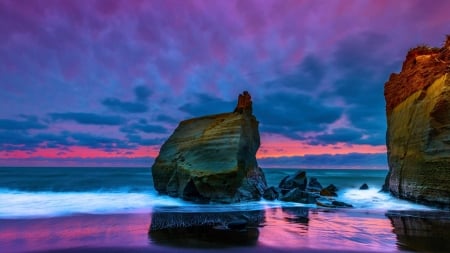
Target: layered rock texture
418, 135
212, 158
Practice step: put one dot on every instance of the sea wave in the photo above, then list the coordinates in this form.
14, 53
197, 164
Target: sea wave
25, 204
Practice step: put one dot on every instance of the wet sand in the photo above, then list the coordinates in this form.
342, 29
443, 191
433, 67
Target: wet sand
280, 230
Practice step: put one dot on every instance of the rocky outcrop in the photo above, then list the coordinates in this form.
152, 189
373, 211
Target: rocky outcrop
212, 158
418, 119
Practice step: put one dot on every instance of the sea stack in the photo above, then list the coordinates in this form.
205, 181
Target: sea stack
213, 158
418, 134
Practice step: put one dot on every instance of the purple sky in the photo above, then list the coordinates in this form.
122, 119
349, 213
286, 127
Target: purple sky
106, 82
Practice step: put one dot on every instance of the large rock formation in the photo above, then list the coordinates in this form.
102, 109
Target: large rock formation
212, 158
418, 135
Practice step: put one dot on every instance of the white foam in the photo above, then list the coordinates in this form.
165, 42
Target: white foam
38, 204
374, 199
15, 204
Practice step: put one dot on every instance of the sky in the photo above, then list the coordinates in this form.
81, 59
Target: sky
105, 83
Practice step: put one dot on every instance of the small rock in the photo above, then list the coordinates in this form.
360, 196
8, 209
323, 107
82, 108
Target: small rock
332, 188
328, 193
314, 185
364, 187
299, 196
325, 202
237, 224
298, 180
271, 193
340, 204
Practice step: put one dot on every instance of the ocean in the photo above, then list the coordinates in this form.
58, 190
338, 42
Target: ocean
112, 209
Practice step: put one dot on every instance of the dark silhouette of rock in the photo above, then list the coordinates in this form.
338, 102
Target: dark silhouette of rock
205, 229
418, 120
330, 191
299, 196
212, 158
364, 187
421, 231
271, 193
340, 204
298, 180
314, 185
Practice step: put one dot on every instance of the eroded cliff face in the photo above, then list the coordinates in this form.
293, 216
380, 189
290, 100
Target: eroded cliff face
418, 135
212, 158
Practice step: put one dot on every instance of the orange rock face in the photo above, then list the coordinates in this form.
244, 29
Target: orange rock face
418, 134
422, 66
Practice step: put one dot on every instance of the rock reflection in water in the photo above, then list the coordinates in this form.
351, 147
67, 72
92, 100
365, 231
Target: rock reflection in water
206, 229
422, 231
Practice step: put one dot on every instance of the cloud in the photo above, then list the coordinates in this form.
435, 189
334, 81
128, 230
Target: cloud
79, 161
352, 160
204, 104
120, 106
143, 126
142, 93
29, 122
137, 139
88, 118
289, 113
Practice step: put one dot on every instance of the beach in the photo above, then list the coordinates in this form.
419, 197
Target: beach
65, 210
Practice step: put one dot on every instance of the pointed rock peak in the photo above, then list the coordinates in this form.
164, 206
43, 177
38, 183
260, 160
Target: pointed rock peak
244, 104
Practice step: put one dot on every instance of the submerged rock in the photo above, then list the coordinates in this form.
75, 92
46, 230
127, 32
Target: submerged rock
271, 193
364, 187
418, 119
212, 158
299, 196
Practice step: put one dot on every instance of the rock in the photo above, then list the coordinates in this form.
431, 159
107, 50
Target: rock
340, 204
418, 120
364, 187
332, 188
238, 224
298, 180
329, 191
421, 231
299, 196
205, 229
314, 185
324, 202
212, 158
271, 193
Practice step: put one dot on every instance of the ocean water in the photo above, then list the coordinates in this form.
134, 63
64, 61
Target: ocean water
47, 192
55, 209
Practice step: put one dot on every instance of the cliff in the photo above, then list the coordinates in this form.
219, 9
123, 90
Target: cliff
212, 158
418, 134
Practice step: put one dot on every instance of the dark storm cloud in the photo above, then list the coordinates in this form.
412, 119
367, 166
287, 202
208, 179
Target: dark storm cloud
142, 93
27, 122
120, 106
352, 159
137, 139
165, 118
13, 140
204, 104
306, 77
287, 113
142, 126
88, 118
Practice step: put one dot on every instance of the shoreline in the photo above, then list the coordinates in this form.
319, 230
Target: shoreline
283, 229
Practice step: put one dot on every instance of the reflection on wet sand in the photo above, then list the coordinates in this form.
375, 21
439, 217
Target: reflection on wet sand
206, 229
422, 231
